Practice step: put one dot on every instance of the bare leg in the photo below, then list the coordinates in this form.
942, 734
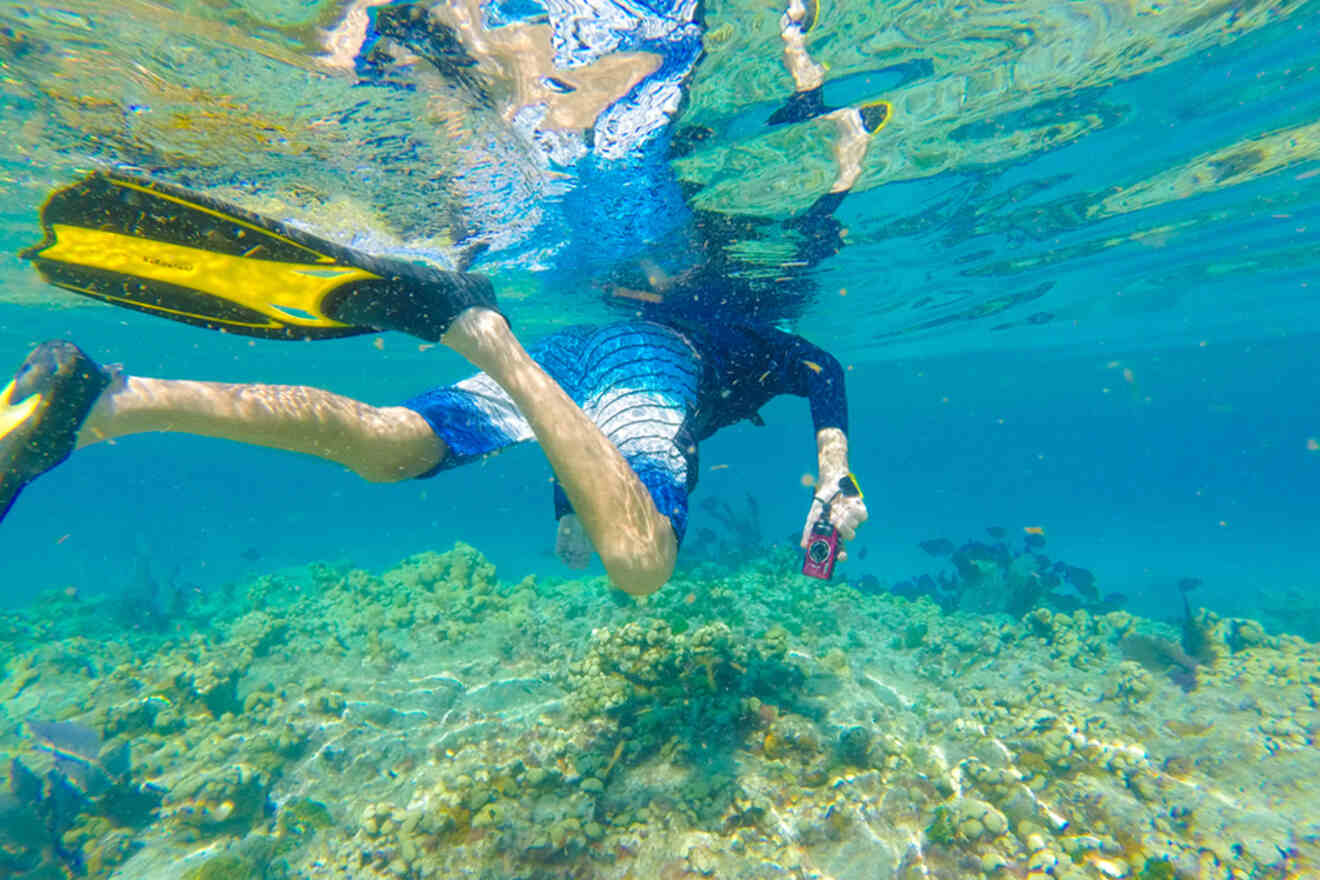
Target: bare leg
635, 541
380, 444
806, 73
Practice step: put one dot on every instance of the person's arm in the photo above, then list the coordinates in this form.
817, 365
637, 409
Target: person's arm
818, 375
847, 512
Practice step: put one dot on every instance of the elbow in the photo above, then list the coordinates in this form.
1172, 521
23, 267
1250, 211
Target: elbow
832, 370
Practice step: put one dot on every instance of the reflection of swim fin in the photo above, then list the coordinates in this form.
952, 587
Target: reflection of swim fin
169, 252
875, 115
800, 107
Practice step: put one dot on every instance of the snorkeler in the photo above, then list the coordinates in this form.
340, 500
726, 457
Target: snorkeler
617, 410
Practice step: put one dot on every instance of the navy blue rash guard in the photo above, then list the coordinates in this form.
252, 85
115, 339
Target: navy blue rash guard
746, 365
655, 388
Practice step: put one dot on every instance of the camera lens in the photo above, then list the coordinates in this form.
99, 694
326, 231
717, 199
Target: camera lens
818, 551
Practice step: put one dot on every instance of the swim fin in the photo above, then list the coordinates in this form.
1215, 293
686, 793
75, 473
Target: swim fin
166, 251
41, 411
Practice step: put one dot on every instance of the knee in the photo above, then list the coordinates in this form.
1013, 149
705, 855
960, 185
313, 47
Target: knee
376, 471
641, 570
389, 464
403, 447
636, 583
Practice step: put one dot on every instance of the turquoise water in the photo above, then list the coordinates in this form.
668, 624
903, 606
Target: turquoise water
1076, 292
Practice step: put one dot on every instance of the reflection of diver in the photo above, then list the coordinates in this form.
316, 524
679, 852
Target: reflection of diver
593, 105
714, 279
618, 410
590, 105
697, 267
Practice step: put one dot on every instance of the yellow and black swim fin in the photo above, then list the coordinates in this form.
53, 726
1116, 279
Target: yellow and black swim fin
166, 251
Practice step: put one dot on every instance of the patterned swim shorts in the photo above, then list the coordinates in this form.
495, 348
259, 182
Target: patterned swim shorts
636, 380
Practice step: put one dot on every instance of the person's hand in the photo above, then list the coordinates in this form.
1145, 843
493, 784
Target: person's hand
846, 514
572, 545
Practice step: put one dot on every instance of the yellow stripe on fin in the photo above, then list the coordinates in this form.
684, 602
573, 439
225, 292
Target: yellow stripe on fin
281, 291
13, 416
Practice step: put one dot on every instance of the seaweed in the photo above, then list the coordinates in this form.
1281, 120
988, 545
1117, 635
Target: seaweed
740, 537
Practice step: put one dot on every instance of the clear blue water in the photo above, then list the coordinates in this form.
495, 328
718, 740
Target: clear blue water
1078, 290
1161, 210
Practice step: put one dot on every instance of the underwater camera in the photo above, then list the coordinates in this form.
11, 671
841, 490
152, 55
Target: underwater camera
823, 545
822, 549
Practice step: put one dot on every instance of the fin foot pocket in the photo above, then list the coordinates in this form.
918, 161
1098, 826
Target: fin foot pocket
41, 411
800, 107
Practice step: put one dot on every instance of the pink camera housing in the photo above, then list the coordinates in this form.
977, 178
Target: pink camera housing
822, 550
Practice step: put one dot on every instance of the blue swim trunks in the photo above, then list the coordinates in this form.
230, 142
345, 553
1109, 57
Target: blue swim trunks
637, 380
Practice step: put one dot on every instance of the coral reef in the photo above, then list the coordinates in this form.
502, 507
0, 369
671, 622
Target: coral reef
433, 721
1000, 577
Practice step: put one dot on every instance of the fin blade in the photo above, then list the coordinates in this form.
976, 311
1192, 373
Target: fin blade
165, 251
276, 290
179, 255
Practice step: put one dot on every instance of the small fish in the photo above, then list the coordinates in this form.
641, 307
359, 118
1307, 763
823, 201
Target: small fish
251, 554
1066, 603
1083, 580
996, 532
1035, 539
1186, 585
861, 554
870, 584
937, 546
1049, 579
1078, 577
1111, 602
1034, 530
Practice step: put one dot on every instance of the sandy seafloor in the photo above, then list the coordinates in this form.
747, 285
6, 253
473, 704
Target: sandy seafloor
433, 721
